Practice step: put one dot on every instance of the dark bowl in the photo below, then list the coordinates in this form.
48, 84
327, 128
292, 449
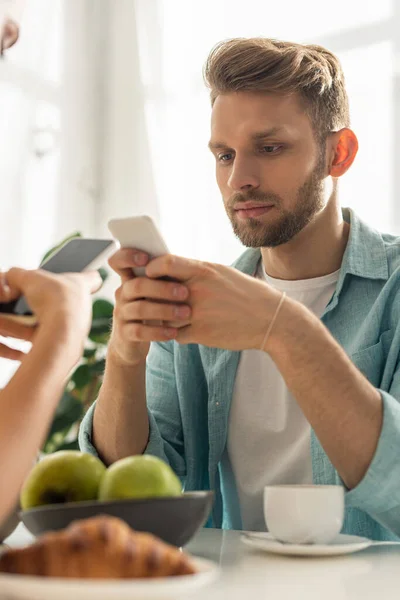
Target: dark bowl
175, 520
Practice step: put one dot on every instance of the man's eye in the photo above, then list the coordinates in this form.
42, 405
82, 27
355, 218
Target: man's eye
225, 157
271, 149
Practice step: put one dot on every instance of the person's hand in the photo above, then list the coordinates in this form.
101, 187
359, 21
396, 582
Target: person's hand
229, 309
11, 329
145, 309
61, 303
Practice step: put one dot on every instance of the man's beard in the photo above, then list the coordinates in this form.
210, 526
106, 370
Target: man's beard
253, 233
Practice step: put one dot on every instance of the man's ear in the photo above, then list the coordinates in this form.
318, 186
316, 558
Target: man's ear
343, 149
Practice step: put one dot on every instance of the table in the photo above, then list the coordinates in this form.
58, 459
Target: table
246, 574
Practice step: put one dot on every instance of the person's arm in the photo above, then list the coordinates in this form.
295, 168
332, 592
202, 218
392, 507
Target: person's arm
357, 424
120, 421
62, 305
118, 425
164, 424
27, 406
342, 406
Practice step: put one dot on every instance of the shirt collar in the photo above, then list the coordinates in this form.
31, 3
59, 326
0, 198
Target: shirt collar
365, 254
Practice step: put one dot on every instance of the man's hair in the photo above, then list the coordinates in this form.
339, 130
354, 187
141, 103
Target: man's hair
277, 67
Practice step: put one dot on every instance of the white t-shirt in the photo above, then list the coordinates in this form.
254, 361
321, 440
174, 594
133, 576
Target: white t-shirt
268, 435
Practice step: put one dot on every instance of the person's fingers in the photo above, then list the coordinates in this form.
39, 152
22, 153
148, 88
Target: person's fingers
137, 332
126, 259
7, 292
19, 331
143, 310
16, 278
176, 324
175, 267
10, 353
143, 287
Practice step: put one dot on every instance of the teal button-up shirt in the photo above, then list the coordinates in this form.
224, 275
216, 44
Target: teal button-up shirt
189, 390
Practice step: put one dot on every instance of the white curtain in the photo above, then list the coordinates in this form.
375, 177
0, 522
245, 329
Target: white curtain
30, 114
73, 133
29, 133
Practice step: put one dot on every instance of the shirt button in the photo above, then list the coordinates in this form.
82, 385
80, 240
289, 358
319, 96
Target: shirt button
217, 404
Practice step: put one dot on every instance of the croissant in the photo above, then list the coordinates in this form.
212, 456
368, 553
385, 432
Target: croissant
101, 547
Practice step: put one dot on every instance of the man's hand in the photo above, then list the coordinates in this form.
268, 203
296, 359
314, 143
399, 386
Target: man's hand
229, 309
145, 309
212, 305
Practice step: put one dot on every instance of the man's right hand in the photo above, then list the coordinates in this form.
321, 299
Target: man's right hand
140, 302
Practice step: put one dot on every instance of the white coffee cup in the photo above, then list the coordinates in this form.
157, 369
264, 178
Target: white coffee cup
304, 514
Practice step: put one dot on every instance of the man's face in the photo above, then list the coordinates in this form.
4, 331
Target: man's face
269, 167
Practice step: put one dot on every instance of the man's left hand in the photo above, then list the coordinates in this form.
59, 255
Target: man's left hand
230, 310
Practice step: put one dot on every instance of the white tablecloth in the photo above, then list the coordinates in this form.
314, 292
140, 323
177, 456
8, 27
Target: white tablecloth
246, 574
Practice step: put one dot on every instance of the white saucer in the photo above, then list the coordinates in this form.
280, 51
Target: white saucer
342, 544
21, 587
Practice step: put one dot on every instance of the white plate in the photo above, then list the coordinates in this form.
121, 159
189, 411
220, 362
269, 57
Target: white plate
342, 544
22, 587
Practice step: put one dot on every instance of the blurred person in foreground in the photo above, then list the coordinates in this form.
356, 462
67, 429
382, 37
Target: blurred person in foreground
63, 307
284, 369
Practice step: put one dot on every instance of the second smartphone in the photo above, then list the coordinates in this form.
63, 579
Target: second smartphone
75, 256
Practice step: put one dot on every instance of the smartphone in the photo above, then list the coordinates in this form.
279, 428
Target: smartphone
139, 232
75, 256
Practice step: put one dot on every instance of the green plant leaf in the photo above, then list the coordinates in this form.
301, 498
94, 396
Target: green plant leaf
101, 325
69, 411
72, 445
89, 352
102, 309
103, 273
101, 339
100, 330
81, 376
97, 367
67, 403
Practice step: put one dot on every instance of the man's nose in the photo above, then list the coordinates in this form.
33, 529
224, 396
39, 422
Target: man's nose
244, 176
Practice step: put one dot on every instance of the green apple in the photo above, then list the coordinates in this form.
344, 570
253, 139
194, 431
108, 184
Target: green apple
139, 477
65, 476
